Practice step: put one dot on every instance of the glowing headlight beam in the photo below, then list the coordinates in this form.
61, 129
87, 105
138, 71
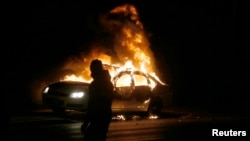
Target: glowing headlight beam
77, 94
46, 90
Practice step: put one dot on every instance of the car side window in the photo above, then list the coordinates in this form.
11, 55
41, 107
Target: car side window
123, 87
124, 80
140, 80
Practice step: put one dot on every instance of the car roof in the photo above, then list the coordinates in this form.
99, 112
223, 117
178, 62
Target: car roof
68, 82
136, 72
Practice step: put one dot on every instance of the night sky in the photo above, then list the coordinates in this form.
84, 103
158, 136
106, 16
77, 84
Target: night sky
203, 45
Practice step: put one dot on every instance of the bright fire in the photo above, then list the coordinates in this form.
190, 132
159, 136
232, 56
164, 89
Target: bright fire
131, 48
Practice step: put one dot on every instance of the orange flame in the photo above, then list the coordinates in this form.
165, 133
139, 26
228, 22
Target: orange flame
129, 11
131, 47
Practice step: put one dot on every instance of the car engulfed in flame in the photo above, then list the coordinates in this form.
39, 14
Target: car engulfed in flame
141, 93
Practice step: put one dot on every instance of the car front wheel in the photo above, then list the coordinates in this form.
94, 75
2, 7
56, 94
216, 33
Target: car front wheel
155, 108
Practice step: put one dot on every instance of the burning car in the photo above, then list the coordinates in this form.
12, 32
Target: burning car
135, 91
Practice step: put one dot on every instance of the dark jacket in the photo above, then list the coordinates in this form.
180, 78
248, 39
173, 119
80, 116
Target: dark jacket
100, 96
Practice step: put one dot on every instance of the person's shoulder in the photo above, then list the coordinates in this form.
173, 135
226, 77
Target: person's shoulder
107, 74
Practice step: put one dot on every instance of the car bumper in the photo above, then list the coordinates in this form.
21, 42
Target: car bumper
65, 102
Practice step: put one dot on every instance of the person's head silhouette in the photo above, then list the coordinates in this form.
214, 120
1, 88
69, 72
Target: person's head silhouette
96, 68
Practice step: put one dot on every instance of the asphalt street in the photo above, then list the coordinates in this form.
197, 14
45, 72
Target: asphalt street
174, 123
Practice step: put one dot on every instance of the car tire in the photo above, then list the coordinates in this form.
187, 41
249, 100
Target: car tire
155, 108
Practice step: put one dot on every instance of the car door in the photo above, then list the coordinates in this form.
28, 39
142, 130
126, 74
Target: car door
123, 90
132, 92
141, 92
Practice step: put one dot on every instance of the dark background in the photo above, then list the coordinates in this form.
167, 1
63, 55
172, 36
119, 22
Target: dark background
202, 45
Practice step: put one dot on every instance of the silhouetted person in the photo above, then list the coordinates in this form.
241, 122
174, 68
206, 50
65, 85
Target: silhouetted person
99, 110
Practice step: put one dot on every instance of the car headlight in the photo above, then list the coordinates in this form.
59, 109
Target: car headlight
77, 94
46, 90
